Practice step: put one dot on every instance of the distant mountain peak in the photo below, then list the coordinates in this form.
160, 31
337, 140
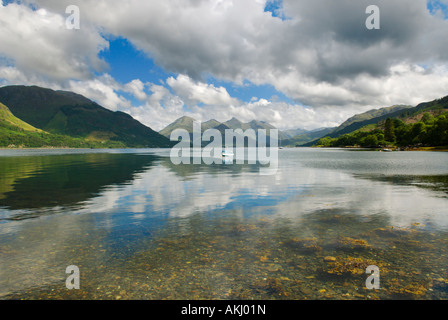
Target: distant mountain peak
234, 120
186, 118
211, 121
234, 123
257, 121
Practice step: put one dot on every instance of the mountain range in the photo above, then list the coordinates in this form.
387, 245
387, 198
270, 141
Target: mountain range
186, 123
289, 137
366, 121
32, 116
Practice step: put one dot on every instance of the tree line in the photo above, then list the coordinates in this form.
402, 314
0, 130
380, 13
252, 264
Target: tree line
430, 131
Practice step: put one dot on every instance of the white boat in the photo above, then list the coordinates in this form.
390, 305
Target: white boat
386, 150
227, 153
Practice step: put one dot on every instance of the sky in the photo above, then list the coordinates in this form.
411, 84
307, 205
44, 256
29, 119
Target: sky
293, 63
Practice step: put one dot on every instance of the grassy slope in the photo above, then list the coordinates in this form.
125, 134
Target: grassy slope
17, 133
9, 119
67, 113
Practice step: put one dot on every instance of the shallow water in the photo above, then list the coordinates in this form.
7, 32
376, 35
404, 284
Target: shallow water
140, 227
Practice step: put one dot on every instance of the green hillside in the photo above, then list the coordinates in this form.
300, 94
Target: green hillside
70, 114
9, 120
360, 120
425, 125
17, 133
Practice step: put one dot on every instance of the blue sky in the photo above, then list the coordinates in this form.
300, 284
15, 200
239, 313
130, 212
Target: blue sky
293, 63
127, 63
276, 8
436, 5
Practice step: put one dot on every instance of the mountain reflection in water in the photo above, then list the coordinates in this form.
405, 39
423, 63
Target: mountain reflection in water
140, 227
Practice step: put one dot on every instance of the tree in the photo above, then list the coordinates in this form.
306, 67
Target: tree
418, 131
439, 132
398, 123
325, 142
380, 137
427, 118
370, 141
389, 130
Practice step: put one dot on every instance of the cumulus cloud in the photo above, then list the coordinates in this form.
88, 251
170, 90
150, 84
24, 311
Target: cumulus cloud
159, 109
199, 92
321, 56
323, 40
38, 43
137, 88
102, 90
162, 107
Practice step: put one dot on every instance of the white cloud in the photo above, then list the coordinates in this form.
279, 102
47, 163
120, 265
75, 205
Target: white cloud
160, 108
322, 56
315, 58
39, 45
192, 92
163, 107
102, 90
137, 88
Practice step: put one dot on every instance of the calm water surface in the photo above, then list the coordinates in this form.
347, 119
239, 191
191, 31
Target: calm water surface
139, 227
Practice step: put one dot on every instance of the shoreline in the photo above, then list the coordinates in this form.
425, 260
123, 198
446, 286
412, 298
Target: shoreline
429, 149
394, 149
62, 148
441, 149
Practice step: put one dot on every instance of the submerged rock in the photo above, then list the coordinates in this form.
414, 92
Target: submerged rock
330, 259
351, 265
351, 243
305, 245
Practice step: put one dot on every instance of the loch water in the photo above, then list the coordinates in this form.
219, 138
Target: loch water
140, 227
